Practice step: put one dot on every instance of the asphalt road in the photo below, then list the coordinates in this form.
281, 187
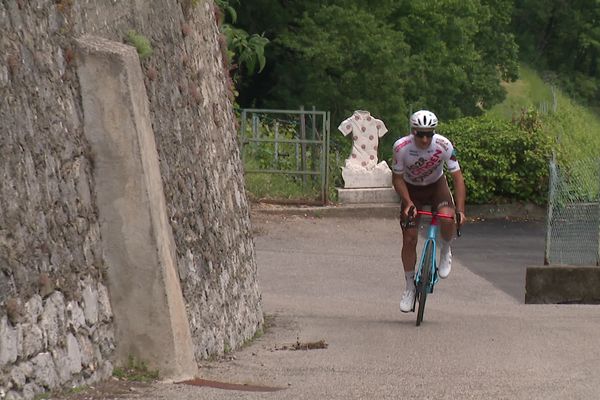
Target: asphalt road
500, 251
338, 281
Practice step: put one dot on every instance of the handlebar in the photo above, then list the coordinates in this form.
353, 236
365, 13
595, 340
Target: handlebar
412, 214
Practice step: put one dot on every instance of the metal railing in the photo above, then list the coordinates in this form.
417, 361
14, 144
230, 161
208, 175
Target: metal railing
289, 142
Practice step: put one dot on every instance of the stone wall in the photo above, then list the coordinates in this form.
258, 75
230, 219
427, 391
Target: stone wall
56, 323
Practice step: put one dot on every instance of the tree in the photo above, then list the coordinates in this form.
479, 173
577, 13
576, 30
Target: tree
563, 37
460, 51
340, 68
389, 57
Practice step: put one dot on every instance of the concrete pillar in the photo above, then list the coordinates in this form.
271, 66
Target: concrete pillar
150, 317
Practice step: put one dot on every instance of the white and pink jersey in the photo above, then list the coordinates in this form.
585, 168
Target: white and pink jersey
423, 166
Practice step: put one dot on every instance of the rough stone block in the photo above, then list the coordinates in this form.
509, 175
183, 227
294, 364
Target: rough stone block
8, 343
44, 370
90, 302
137, 237
358, 177
562, 285
33, 340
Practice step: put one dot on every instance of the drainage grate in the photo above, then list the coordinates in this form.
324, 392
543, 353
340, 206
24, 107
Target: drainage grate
229, 386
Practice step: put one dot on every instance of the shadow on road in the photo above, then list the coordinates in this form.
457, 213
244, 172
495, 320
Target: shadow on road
500, 251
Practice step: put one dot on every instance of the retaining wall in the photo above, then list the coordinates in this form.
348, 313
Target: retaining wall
56, 322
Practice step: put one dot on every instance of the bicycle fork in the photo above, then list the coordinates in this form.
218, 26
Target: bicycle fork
430, 241
433, 279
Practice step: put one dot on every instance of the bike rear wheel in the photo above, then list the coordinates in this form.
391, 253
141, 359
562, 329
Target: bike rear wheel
422, 285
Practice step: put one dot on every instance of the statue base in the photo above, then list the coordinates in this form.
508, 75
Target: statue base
368, 195
379, 176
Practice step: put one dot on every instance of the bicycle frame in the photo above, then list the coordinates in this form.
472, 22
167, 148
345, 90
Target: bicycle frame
427, 265
431, 240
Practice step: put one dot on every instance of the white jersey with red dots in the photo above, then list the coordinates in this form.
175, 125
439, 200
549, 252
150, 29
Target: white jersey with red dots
366, 131
423, 166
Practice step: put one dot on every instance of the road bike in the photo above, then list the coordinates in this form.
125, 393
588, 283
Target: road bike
426, 275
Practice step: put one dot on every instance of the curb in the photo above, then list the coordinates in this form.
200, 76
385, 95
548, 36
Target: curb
392, 210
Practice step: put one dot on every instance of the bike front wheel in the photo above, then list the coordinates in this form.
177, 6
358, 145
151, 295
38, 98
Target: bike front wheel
422, 285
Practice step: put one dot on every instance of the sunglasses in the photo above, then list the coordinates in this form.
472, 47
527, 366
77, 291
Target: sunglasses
421, 134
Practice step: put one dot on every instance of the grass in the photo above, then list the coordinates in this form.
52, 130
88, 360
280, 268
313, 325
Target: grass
135, 371
272, 186
528, 91
141, 44
269, 186
574, 128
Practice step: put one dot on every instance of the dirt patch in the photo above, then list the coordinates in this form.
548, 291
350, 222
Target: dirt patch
230, 386
319, 344
109, 389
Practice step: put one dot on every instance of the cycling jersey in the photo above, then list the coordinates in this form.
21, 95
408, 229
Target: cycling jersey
423, 166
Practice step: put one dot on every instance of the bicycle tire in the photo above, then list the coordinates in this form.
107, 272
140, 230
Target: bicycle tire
422, 287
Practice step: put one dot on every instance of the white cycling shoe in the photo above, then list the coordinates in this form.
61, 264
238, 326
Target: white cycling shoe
408, 300
445, 262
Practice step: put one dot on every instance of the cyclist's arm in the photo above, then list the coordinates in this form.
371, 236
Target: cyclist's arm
402, 190
460, 193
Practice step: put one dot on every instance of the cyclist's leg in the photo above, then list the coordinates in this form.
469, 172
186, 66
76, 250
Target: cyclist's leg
410, 234
409, 247
444, 203
409, 258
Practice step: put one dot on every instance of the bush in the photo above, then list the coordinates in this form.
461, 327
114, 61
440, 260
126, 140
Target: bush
502, 161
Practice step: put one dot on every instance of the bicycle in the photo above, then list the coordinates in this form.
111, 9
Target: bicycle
426, 275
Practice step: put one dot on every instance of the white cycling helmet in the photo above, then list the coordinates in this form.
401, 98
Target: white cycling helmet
423, 119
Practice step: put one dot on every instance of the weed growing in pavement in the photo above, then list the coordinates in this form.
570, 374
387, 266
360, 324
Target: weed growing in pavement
135, 371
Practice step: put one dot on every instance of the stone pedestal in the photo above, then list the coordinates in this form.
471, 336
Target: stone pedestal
368, 195
379, 176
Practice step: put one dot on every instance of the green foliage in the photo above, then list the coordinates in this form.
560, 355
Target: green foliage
500, 160
325, 63
141, 44
456, 58
564, 37
227, 9
136, 371
459, 52
388, 57
248, 50
571, 128
245, 52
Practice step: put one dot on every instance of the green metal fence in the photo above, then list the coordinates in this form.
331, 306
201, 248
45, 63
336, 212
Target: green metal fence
293, 143
573, 222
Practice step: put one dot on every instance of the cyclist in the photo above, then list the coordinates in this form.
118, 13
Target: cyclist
419, 179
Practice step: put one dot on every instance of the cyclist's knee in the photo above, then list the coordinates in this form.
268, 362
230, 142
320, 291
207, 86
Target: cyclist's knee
446, 210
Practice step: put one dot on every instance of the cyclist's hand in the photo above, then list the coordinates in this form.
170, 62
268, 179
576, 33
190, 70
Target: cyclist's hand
460, 218
407, 209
